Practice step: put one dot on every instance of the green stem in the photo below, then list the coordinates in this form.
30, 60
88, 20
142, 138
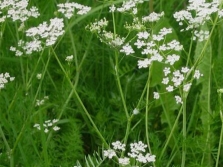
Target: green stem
120, 87
171, 134
151, 6
147, 107
220, 140
7, 147
80, 101
184, 129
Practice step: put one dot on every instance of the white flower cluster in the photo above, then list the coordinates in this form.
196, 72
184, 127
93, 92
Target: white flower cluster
153, 47
153, 17
4, 79
42, 35
197, 13
127, 6
42, 101
69, 58
16, 10
201, 35
68, 9
174, 79
97, 26
107, 37
49, 124
137, 152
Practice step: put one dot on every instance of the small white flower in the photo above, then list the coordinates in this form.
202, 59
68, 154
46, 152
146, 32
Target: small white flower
186, 87
112, 8
141, 158
124, 161
156, 95
185, 69
118, 146
150, 158
56, 128
153, 17
143, 35
165, 81
135, 111
69, 58
109, 153
166, 71
38, 76
46, 130
171, 59
127, 49
197, 74
178, 99
144, 63
169, 88
55, 121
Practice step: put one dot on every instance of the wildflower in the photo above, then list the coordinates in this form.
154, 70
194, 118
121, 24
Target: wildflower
124, 161
171, 59
39, 102
184, 69
169, 88
17, 10
56, 128
141, 158
186, 87
40, 35
143, 35
178, 99
137, 147
201, 35
197, 74
166, 71
144, 63
97, 26
129, 5
201, 10
127, 49
139, 43
165, 81
68, 9
109, 153
156, 95
118, 146
69, 58
174, 45
4, 79
48, 124
46, 130
39, 76
150, 158
164, 31
112, 8
135, 111
153, 17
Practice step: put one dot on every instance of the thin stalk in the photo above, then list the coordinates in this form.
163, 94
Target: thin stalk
120, 87
184, 130
189, 53
171, 133
147, 107
220, 140
80, 101
7, 147
151, 6
75, 56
